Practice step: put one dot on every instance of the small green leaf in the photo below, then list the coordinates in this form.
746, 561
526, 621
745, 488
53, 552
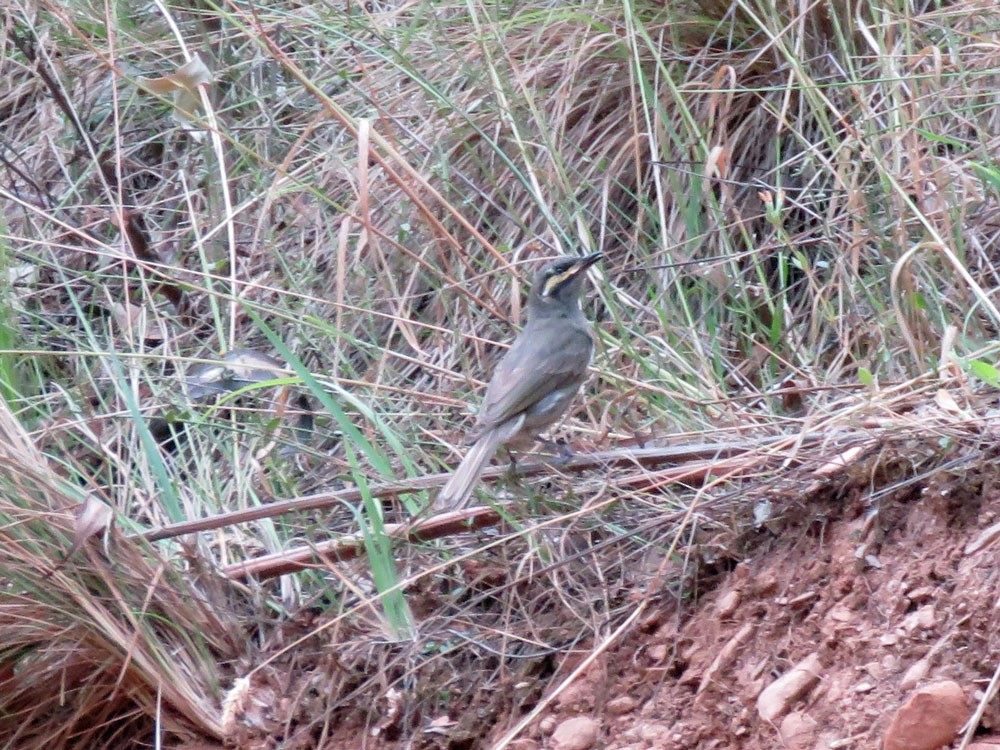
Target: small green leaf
985, 372
865, 377
989, 174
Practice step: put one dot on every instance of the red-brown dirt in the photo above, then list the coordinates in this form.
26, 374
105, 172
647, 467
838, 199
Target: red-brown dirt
888, 595
863, 606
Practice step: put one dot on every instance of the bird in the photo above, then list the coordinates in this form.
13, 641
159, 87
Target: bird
535, 380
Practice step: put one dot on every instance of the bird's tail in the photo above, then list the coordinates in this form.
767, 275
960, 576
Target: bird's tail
456, 493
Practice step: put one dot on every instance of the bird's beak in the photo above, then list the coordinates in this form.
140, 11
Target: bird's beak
587, 261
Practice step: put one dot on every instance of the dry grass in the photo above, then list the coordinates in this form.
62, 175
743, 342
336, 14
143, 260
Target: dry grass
362, 195
90, 633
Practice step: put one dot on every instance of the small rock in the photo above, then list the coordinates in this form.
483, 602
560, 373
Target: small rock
875, 670
577, 698
929, 719
841, 613
777, 698
985, 743
578, 733
547, 725
917, 671
798, 730
924, 619
922, 594
727, 605
765, 585
623, 704
656, 735
864, 687
657, 653
890, 663
873, 562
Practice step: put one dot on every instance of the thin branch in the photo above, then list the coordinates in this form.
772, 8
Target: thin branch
629, 457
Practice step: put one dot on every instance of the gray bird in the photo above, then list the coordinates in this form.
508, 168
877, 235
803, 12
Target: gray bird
535, 380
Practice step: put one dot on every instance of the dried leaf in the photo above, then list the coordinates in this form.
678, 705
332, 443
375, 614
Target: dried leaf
947, 402
234, 705
238, 368
135, 320
182, 85
92, 519
188, 77
717, 163
838, 463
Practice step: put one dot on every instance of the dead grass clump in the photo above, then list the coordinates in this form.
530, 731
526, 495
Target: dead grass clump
100, 643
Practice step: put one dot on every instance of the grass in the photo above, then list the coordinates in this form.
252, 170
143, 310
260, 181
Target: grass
797, 215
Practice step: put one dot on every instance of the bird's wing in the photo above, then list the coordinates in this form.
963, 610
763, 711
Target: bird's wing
525, 376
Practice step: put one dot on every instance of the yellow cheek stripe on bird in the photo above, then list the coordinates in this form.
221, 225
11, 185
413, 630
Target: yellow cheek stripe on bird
557, 281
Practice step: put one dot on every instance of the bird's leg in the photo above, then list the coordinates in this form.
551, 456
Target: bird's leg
512, 459
512, 463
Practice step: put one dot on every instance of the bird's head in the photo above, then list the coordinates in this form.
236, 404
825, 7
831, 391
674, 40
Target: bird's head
557, 284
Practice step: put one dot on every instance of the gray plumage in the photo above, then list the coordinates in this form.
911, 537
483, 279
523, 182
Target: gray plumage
536, 379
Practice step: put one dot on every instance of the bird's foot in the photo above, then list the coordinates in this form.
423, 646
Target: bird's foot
562, 452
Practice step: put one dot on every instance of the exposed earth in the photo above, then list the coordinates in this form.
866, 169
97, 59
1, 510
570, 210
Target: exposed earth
860, 614
868, 603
